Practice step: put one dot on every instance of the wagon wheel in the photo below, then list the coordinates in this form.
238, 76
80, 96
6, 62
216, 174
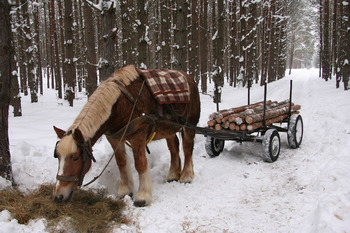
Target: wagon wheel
271, 145
295, 131
214, 146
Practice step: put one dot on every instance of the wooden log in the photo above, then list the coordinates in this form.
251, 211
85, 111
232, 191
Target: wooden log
218, 127
211, 123
223, 113
243, 127
272, 113
226, 125
268, 122
232, 126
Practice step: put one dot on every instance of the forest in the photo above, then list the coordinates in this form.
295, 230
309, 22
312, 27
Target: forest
74, 45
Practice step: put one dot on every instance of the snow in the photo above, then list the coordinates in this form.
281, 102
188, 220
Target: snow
215, 35
306, 190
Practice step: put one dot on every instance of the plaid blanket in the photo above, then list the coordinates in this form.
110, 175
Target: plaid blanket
167, 86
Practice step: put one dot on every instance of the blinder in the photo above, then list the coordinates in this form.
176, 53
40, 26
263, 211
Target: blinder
87, 154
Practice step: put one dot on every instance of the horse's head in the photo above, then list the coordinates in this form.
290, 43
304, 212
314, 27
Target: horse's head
74, 161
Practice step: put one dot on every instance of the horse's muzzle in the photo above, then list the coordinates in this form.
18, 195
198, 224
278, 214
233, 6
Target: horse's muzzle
62, 193
60, 198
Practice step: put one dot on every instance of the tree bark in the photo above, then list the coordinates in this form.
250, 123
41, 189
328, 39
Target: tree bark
142, 22
203, 44
165, 36
108, 40
6, 57
326, 66
91, 79
180, 35
69, 66
56, 66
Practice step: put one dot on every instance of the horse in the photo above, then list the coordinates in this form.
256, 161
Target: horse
124, 110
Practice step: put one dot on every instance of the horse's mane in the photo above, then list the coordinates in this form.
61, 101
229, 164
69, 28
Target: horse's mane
99, 106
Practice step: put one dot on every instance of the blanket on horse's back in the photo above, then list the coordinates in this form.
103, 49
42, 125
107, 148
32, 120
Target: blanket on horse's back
167, 86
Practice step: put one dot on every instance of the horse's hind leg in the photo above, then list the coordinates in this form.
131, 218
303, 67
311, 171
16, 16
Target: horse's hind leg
175, 164
187, 174
126, 182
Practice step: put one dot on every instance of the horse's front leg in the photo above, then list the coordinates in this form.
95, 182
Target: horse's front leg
143, 196
126, 185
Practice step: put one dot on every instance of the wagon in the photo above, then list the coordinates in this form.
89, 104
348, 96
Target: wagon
267, 135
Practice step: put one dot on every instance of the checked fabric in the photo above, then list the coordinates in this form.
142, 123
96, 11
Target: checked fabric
167, 86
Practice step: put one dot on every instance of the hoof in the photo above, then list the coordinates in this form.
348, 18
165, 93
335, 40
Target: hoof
122, 196
186, 180
172, 180
140, 203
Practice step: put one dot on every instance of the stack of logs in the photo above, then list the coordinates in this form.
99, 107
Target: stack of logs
251, 117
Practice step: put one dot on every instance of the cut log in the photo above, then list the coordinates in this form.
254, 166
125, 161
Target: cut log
283, 109
232, 126
226, 125
268, 122
211, 123
250, 117
223, 113
243, 127
218, 127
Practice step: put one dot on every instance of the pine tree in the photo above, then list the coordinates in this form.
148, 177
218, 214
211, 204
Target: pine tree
6, 62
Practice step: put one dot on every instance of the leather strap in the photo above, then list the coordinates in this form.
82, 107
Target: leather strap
67, 178
125, 91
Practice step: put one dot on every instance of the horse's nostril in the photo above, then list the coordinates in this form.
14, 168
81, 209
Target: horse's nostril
59, 198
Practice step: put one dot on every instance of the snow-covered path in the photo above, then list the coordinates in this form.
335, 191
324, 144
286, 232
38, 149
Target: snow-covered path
305, 190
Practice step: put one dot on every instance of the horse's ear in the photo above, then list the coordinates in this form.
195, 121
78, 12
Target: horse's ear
60, 132
78, 136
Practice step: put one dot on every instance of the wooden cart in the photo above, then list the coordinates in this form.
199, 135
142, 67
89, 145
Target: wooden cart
268, 135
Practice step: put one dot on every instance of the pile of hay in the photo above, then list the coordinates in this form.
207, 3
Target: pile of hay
88, 211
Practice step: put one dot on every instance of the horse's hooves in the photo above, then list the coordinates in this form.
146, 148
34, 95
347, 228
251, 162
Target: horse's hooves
186, 180
139, 203
122, 196
172, 180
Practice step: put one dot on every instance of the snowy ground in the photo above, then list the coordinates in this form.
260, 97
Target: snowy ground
305, 190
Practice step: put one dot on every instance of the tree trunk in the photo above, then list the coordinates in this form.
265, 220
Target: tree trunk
6, 57
141, 34
165, 36
36, 41
346, 43
108, 39
180, 35
69, 70
54, 51
91, 79
193, 50
326, 66
203, 44
128, 40
30, 52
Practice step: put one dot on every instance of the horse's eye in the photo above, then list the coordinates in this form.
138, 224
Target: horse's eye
75, 158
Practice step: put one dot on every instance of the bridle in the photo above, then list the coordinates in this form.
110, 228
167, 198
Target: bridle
87, 154
87, 148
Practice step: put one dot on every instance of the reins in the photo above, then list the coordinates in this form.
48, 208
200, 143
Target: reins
124, 132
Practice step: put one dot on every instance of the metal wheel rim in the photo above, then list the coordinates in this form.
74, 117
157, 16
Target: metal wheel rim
217, 144
298, 131
275, 146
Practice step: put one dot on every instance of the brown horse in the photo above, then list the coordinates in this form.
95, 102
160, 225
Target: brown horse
107, 112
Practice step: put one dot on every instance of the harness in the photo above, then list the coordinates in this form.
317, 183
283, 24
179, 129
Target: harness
86, 154
86, 147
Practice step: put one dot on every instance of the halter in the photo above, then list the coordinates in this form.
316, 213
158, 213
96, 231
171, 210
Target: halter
87, 154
